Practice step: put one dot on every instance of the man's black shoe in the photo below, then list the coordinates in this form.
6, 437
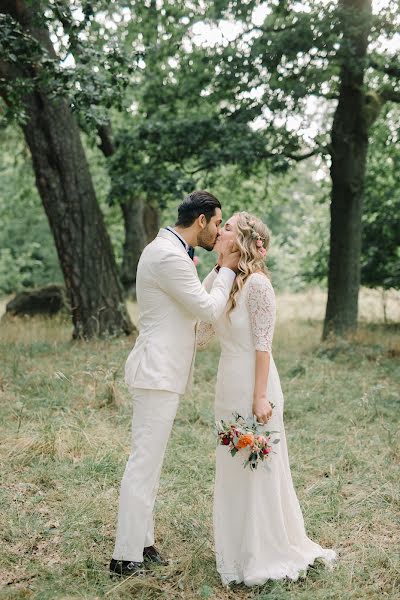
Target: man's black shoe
151, 554
126, 568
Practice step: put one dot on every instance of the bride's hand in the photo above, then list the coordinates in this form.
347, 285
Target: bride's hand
229, 255
222, 247
262, 409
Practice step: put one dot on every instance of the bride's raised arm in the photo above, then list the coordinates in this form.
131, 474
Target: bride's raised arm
208, 281
205, 331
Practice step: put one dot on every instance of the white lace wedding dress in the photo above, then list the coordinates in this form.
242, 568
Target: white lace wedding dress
258, 525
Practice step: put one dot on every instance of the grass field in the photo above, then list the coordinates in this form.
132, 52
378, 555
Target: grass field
65, 438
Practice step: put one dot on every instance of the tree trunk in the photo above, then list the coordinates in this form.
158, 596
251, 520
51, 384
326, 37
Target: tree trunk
151, 220
141, 221
65, 186
349, 145
135, 241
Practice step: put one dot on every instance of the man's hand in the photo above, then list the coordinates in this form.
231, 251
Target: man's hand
262, 409
229, 257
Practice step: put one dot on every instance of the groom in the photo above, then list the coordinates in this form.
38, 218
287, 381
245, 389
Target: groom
158, 370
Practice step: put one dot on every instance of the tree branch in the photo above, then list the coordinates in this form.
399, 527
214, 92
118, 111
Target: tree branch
208, 165
300, 157
106, 142
393, 69
265, 155
277, 29
389, 95
266, 30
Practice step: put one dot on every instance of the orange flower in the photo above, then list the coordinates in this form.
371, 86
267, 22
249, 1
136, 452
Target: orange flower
247, 439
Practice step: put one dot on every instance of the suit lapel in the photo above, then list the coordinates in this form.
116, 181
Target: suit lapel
167, 235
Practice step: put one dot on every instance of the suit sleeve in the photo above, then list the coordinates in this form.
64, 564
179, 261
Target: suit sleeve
176, 277
209, 280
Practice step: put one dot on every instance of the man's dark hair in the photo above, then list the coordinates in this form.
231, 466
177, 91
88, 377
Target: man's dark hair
195, 204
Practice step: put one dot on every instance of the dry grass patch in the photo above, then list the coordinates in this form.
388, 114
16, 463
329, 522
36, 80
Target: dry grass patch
65, 438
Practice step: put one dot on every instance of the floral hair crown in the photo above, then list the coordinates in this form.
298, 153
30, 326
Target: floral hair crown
259, 241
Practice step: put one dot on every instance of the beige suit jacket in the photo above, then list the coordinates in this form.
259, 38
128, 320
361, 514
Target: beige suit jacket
171, 299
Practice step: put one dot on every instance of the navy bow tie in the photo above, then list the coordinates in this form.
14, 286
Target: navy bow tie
191, 252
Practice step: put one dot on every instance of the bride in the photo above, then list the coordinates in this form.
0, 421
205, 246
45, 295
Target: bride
258, 525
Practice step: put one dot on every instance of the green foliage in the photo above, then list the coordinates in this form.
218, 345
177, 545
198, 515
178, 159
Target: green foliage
97, 77
28, 257
380, 265
231, 116
27, 254
164, 158
380, 258
22, 53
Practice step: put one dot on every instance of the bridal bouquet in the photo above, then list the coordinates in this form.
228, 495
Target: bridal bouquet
246, 434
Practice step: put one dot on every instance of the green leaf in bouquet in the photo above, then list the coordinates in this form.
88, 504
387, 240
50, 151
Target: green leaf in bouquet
234, 451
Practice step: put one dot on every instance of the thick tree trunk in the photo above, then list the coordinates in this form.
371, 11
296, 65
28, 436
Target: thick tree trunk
65, 186
349, 145
81, 238
135, 241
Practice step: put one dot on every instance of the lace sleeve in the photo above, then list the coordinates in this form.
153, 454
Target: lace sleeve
261, 306
205, 333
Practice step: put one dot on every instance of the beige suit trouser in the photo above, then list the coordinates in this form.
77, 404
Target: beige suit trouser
153, 415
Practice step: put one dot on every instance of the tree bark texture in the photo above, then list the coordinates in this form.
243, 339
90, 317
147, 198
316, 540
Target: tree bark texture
141, 224
349, 145
151, 220
135, 241
65, 186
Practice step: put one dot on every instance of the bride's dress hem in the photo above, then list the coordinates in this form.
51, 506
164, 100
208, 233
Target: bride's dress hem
292, 572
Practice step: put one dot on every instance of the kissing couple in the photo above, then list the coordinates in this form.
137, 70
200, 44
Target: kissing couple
259, 530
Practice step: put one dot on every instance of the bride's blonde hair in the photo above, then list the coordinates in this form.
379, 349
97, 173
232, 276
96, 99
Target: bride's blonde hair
252, 242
